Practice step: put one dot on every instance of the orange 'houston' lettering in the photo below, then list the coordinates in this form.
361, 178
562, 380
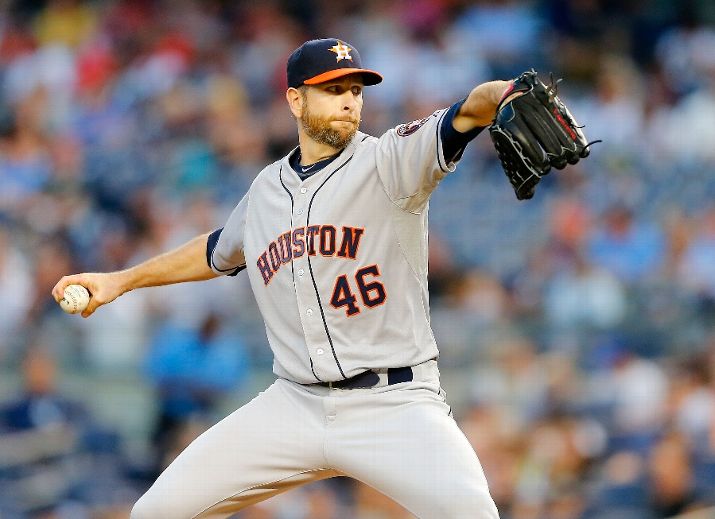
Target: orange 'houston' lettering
264, 268
351, 242
327, 240
298, 242
310, 233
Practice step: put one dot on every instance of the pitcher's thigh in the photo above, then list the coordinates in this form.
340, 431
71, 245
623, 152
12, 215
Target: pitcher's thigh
418, 456
264, 448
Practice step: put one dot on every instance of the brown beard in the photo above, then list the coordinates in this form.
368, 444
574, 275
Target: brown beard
319, 129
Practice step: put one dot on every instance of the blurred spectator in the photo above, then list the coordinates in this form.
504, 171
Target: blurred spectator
192, 370
501, 31
514, 380
15, 279
689, 130
697, 268
631, 250
621, 491
570, 222
51, 259
683, 51
636, 389
693, 401
670, 471
584, 296
41, 405
24, 162
47, 438
615, 110
65, 22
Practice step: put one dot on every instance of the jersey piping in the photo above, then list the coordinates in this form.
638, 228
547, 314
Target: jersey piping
231, 270
312, 276
292, 268
438, 140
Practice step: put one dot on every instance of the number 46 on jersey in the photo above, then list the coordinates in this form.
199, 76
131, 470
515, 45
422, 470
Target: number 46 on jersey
372, 292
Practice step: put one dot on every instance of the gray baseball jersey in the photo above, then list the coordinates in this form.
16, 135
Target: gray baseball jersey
338, 262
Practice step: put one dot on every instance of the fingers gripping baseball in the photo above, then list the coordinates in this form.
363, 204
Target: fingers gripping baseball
102, 288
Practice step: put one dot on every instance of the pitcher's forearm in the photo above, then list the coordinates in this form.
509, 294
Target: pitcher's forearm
480, 107
185, 263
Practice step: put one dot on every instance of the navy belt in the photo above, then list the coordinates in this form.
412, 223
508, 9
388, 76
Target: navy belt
370, 379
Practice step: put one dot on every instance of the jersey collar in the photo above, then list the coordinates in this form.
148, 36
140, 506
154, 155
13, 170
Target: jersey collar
292, 179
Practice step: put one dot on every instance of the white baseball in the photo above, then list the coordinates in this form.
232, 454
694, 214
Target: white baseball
76, 299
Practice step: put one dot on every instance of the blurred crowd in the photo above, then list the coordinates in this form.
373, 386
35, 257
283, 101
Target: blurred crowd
577, 329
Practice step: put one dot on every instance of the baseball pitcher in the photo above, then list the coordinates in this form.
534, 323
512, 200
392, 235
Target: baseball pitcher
333, 238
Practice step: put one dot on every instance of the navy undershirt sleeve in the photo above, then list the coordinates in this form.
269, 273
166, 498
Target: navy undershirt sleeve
211, 245
454, 142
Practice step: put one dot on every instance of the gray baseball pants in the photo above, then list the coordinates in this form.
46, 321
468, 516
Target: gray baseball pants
399, 439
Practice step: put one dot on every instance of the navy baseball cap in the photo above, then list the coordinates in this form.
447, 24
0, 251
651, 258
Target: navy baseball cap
318, 61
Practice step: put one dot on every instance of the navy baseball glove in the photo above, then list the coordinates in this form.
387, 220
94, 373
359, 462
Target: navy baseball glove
534, 132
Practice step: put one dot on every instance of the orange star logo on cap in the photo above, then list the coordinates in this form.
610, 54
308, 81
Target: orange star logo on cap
342, 51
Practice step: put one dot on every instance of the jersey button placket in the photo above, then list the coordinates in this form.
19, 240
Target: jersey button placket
302, 201
300, 220
312, 323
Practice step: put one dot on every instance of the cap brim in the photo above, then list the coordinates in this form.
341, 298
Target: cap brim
370, 77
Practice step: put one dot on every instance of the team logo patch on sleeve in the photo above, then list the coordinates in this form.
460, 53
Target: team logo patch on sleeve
406, 129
